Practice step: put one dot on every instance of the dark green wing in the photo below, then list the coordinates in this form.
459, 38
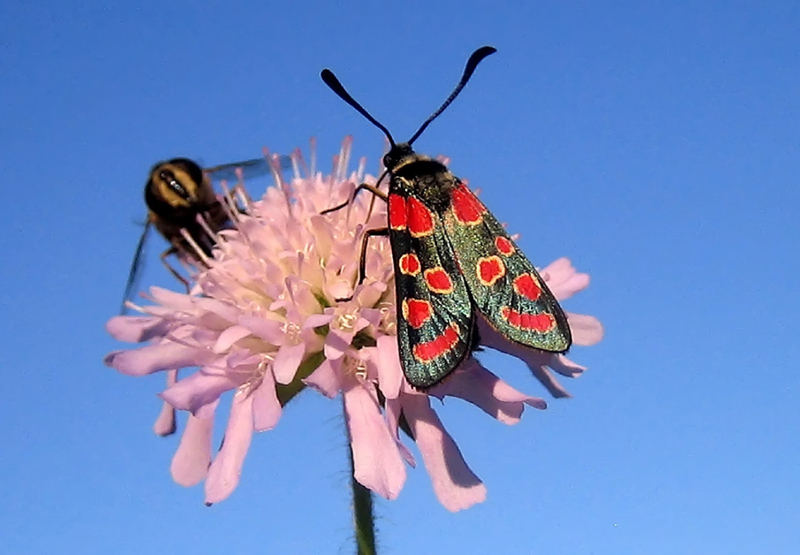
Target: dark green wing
502, 282
434, 312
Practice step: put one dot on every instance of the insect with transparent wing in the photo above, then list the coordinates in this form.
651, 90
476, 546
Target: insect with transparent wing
179, 194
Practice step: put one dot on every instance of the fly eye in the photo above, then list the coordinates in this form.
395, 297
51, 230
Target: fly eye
169, 178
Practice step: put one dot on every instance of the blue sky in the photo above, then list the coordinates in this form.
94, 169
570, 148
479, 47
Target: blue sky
655, 144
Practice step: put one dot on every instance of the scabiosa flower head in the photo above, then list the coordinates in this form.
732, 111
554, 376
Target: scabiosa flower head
264, 321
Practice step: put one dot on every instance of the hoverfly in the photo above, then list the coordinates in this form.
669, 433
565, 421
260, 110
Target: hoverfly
178, 193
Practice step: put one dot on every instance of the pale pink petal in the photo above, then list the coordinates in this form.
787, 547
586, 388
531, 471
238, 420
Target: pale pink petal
225, 313
266, 407
224, 472
202, 387
565, 366
176, 301
230, 336
376, 460
190, 462
475, 384
337, 343
455, 485
270, 331
135, 329
317, 320
165, 423
390, 373
325, 378
393, 410
153, 358
586, 330
287, 361
563, 280
549, 381
535, 359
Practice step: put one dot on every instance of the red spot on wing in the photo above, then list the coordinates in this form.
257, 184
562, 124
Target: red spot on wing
466, 207
420, 219
409, 264
490, 269
416, 312
430, 350
527, 286
397, 211
438, 281
504, 246
542, 322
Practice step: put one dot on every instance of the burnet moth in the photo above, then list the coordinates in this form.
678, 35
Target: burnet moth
452, 260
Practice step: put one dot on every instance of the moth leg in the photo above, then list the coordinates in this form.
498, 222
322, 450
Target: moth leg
371, 188
362, 261
170, 251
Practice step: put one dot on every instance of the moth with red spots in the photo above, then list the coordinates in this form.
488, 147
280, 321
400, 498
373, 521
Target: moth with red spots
453, 261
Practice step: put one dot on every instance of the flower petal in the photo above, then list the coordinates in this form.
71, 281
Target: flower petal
190, 462
152, 358
165, 423
325, 378
287, 361
586, 330
337, 343
455, 485
135, 329
224, 472
270, 331
535, 359
563, 280
390, 372
393, 410
230, 336
266, 407
202, 387
474, 383
376, 460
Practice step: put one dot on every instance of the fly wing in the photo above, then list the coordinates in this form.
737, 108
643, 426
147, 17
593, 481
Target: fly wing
434, 312
250, 168
136, 267
502, 282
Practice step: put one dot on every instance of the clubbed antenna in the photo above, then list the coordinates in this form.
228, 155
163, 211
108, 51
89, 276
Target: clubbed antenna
472, 63
330, 79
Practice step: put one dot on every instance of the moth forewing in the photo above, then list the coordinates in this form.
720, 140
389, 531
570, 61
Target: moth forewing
504, 285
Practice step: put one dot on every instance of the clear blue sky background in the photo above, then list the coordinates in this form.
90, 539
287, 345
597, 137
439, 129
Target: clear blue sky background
656, 145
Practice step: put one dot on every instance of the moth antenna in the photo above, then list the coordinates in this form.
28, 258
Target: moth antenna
330, 79
472, 63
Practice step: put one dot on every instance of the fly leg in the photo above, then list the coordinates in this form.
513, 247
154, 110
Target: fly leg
170, 251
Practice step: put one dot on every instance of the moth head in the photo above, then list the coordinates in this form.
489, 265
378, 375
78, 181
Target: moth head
396, 155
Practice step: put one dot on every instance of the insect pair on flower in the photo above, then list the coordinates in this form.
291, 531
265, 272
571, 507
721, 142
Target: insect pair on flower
453, 261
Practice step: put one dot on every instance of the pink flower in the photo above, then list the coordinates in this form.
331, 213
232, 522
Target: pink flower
263, 321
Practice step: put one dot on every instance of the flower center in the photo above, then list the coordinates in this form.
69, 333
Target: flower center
355, 367
347, 321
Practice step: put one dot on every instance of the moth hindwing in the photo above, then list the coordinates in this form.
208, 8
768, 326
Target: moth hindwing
453, 262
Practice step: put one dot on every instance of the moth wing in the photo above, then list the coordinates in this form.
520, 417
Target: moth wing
502, 282
434, 312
